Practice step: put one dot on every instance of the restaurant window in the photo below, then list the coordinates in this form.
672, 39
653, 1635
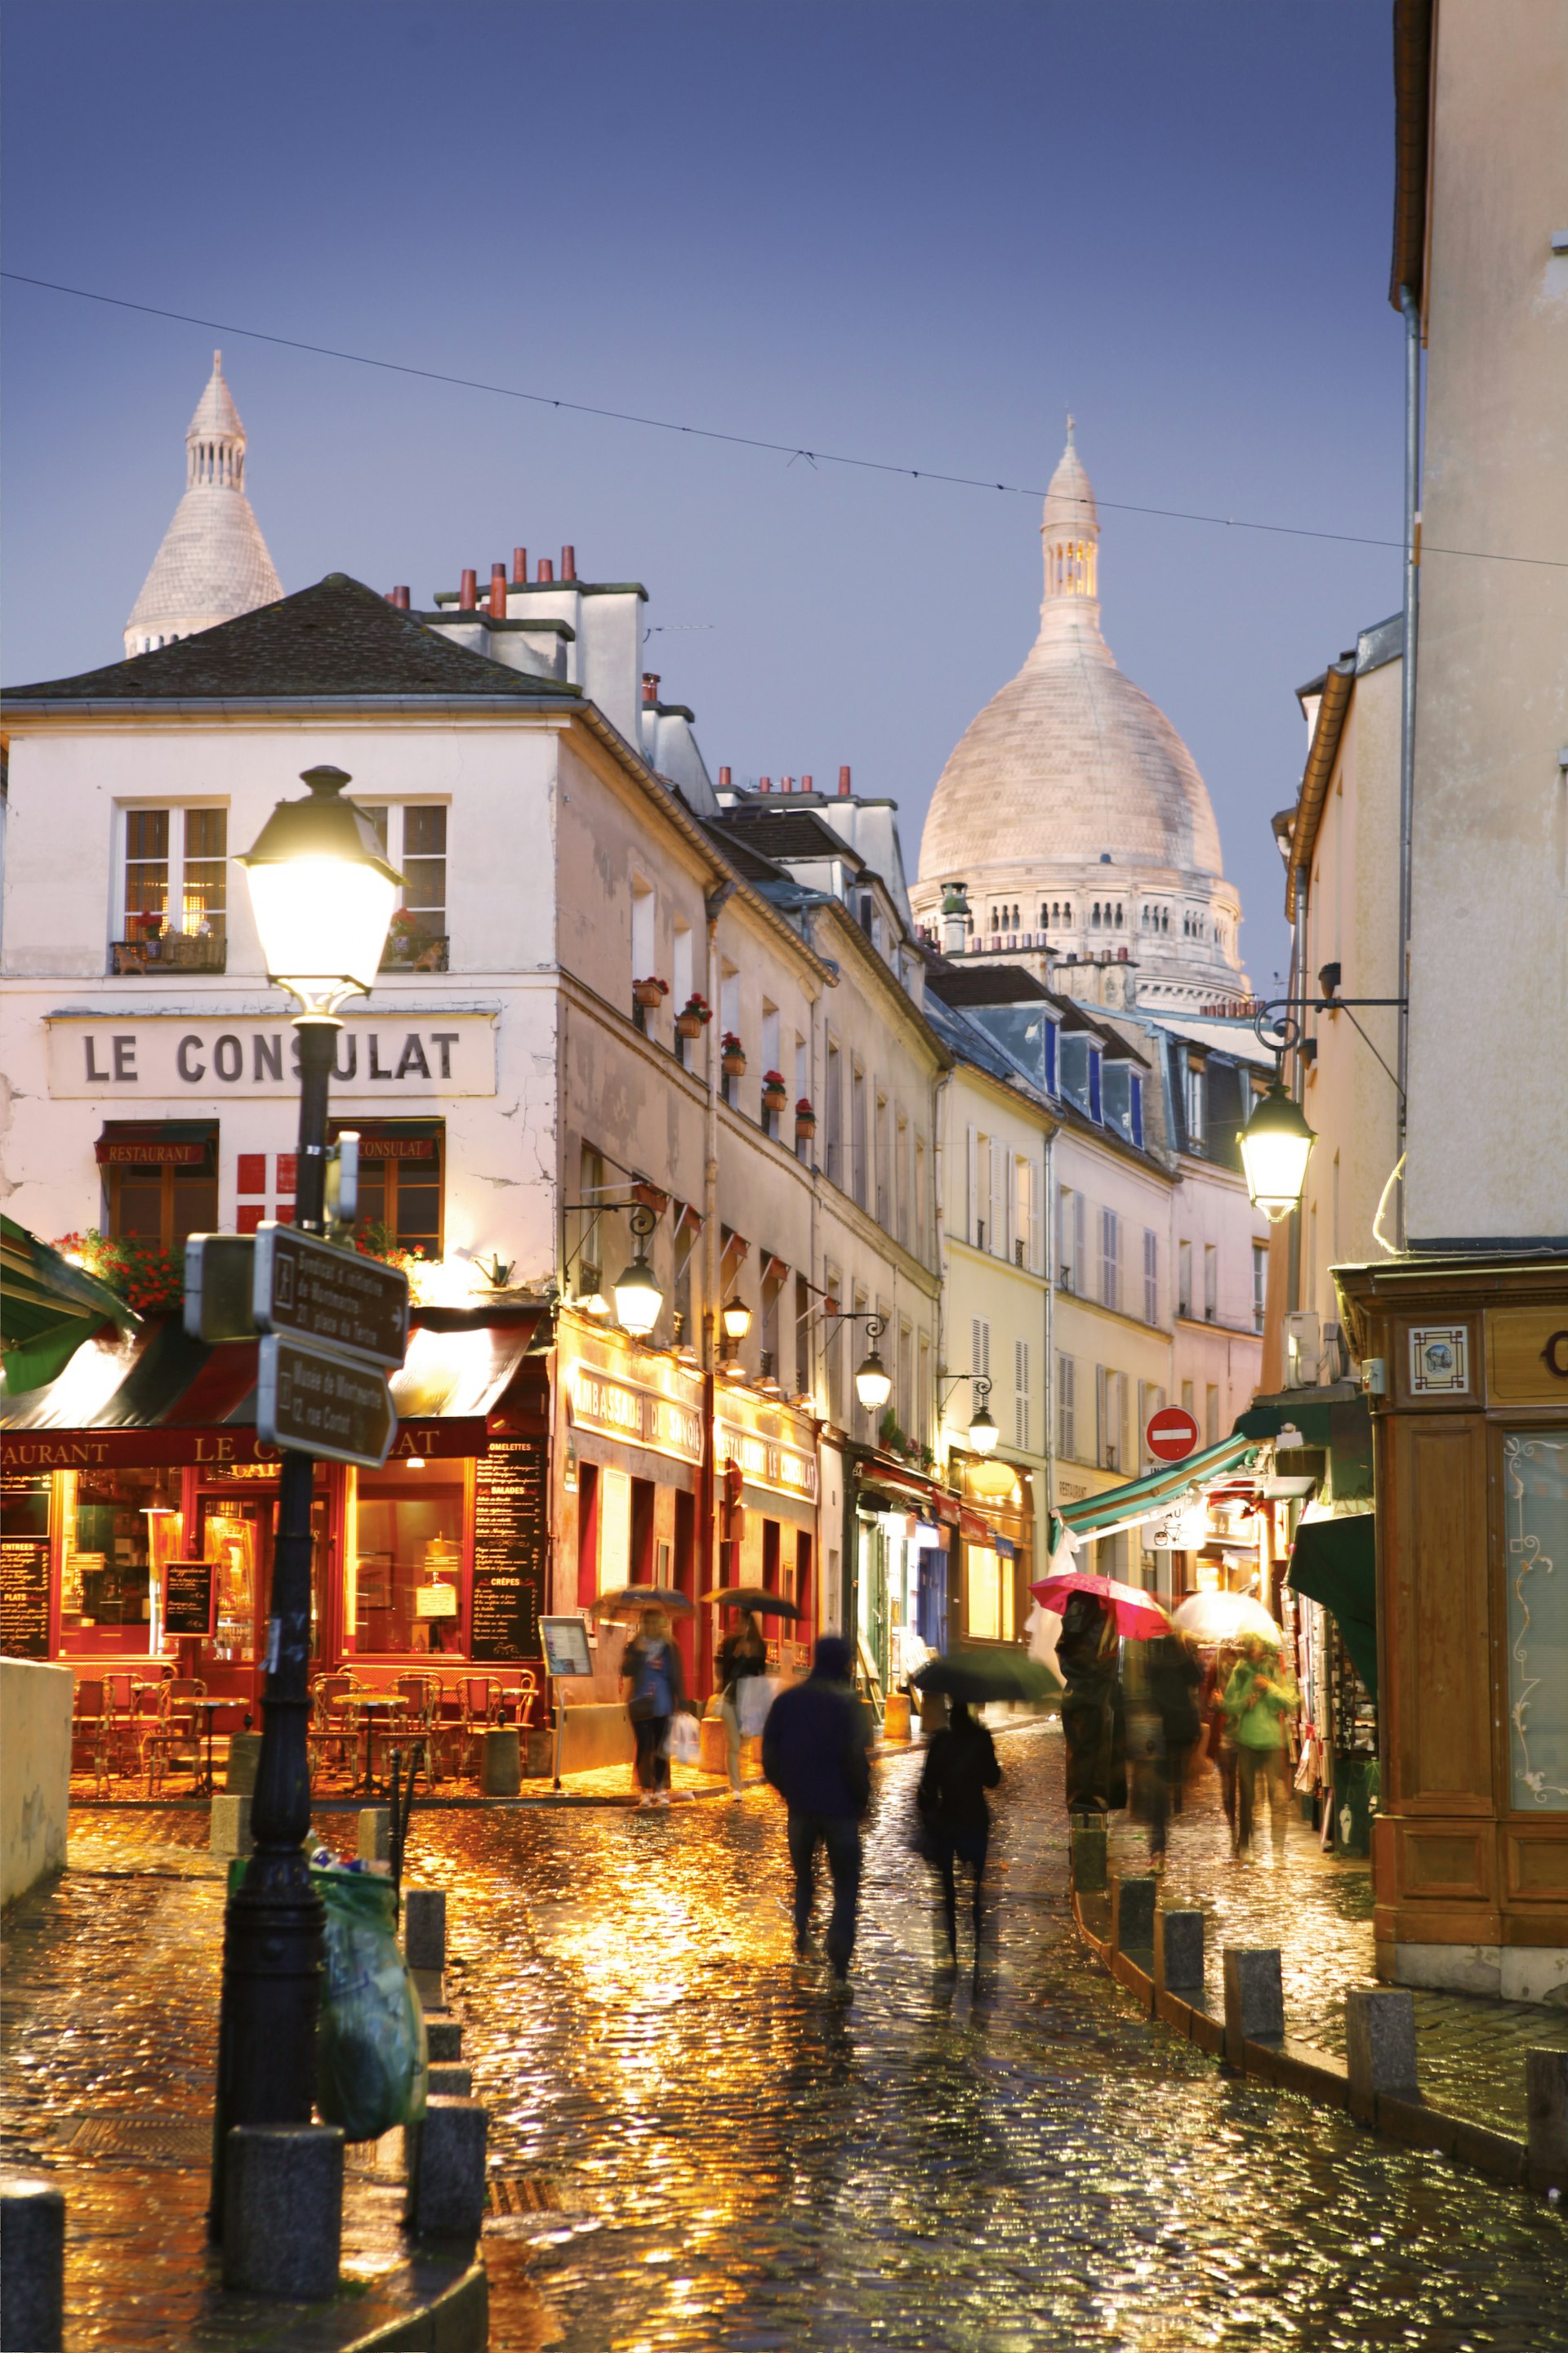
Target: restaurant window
116, 1542
160, 1182
176, 869
988, 1606
408, 1549
401, 1165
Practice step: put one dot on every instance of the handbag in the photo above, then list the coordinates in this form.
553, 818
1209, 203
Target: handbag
643, 1708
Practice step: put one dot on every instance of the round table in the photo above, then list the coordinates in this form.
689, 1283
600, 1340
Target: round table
203, 1785
369, 1705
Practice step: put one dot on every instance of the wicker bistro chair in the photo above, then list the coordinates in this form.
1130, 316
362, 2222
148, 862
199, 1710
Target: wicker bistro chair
480, 1699
420, 1727
176, 1740
333, 1733
91, 1731
527, 1699
122, 1738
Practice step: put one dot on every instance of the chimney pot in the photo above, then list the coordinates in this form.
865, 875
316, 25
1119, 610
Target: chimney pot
546, 569
787, 784
806, 786
844, 784
468, 594
519, 567
723, 780
569, 564
497, 592
764, 784
400, 598
650, 686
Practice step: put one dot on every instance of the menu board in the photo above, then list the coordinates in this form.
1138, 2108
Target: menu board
25, 1566
509, 1549
188, 1598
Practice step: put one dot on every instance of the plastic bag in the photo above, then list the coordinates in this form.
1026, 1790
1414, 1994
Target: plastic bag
753, 1698
683, 1742
371, 2062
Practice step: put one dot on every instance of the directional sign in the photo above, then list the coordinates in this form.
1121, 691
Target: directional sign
322, 1291
320, 1403
1171, 1434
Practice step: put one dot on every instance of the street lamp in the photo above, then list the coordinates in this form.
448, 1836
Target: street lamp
982, 1431
736, 1318
1276, 1145
639, 1298
322, 894
873, 1382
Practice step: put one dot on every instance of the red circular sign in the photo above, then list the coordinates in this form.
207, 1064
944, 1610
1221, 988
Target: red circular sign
1171, 1433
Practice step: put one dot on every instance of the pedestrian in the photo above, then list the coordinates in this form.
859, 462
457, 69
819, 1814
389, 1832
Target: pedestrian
742, 1654
815, 1754
1257, 1698
650, 1666
1172, 1678
1221, 1736
961, 1766
1086, 1659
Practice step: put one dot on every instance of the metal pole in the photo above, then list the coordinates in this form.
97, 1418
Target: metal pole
272, 1929
1411, 310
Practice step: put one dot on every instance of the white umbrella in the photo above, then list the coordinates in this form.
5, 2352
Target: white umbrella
1224, 1618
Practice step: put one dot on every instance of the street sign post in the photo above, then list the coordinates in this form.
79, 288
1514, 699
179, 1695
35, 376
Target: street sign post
318, 1291
1171, 1434
322, 1403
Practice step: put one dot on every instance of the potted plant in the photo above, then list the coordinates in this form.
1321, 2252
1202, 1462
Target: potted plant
401, 933
648, 993
775, 1094
804, 1119
732, 1055
693, 1016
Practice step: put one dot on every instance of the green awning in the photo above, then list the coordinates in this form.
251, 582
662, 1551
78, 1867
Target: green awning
1141, 1498
1334, 1561
47, 1308
1337, 1420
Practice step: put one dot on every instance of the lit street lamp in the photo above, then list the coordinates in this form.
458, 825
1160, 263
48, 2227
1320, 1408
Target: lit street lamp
736, 1318
873, 1382
322, 894
1276, 1145
639, 1298
982, 1431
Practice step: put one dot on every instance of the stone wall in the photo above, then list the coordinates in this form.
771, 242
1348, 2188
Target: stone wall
35, 1785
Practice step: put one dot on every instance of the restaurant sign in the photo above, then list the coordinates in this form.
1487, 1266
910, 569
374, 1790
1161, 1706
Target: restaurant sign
219, 1449
767, 1461
390, 1059
651, 1413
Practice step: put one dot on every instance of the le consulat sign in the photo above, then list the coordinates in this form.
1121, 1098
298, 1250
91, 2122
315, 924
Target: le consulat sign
166, 1058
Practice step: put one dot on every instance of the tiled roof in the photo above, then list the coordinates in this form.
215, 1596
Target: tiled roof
786, 833
984, 984
339, 637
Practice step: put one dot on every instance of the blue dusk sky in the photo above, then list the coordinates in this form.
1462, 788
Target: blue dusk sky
911, 233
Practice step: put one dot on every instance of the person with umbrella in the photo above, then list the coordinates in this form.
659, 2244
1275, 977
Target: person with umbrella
742, 1655
1087, 1655
1257, 1699
815, 1754
961, 1766
651, 1669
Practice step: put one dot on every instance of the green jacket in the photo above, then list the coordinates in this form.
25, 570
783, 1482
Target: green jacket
1257, 1716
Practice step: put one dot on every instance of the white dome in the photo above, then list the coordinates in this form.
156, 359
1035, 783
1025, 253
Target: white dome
213, 565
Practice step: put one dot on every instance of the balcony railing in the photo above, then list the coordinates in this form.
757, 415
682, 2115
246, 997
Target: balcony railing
161, 952
415, 952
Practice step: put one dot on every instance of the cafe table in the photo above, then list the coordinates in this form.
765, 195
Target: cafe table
204, 1785
369, 1705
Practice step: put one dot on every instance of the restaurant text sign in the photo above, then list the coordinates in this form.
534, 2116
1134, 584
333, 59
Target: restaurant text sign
768, 1462
161, 1058
644, 1417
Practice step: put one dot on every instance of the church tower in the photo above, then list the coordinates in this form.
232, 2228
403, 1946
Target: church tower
213, 563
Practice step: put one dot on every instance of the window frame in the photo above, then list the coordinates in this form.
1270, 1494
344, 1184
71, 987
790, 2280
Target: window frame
175, 862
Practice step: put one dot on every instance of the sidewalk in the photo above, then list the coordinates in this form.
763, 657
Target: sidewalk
1318, 1910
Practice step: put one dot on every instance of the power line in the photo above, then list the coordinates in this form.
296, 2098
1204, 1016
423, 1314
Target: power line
788, 450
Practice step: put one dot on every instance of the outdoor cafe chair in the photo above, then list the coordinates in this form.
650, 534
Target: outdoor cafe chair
91, 1722
480, 1700
527, 1699
421, 1722
176, 1742
333, 1731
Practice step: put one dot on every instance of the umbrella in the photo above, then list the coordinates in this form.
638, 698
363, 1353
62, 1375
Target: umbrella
756, 1598
1138, 1615
1224, 1618
979, 1675
630, 1598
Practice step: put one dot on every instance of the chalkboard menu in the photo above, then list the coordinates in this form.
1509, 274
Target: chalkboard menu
25, 1567
188, 1598
509, 1549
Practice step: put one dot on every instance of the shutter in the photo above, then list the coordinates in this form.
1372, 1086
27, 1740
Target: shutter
1078, 1241
1033, 1236
1021, 1391
996, 1232
971, 1202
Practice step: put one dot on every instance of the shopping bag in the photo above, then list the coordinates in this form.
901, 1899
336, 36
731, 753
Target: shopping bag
371, 2062
683, 1742
754, 1697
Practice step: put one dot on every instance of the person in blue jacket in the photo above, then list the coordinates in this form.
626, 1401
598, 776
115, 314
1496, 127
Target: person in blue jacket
815, 1754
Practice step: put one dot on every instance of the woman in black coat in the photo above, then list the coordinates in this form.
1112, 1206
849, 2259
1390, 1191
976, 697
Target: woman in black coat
961, 1766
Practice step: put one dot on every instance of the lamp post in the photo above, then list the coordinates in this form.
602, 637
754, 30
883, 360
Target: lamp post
982, 1431
1276, 1145
323, 895
639, 1298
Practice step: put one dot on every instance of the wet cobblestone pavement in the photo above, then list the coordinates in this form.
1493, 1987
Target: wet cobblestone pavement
706, 2149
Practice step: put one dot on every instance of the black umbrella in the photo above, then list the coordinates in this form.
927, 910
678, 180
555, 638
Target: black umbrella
757, 1598
630, 1598
979, 1675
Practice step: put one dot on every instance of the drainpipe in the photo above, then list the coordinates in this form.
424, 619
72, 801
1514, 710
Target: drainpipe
706, 1486
1047, 1388
1411, 311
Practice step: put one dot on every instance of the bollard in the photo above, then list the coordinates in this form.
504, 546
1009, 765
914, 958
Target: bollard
243, 1756
32, 2265
229, 1832
1132, 1898
1380, 2046
896, 1716
445, 2156
1546, 2107
283, 2210
443, 2036
450, 2081
712, 1753
376, 1834
1179, 1951
501, 1767
425, 1927
1254, 1998
1088, 1854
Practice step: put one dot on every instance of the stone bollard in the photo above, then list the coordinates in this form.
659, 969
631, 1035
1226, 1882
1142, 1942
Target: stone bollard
1132, 1898
896, 1716
712, 1745
425, 1927
1179, 1951
32, 2265
283, 2210
243, 1756
445, 2156
1546, 2107
1254, 1998
230, 1830
1380, 2046
1088, 1854
443, 2036
450, 2081
538, 1752
376, 1834
500, 1766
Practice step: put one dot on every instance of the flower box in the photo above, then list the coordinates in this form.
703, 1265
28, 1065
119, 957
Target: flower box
775, 1094
805, 1118
650, 993
732, 1055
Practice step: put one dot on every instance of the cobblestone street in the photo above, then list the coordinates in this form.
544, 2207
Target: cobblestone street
695, 2145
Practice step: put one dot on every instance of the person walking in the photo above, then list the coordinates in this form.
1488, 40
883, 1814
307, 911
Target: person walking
651, 1669
961, 1766
742, 1653
1257, 1699
1173, 1677
1221, 1734
815, 1748
1087, 1656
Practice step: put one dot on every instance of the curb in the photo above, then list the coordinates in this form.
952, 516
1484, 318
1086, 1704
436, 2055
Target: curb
1312, 2074
457, 2320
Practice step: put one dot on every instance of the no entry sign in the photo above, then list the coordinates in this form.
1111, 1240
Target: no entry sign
1171, 1434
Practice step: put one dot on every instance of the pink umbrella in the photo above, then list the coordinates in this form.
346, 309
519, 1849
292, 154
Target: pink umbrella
1138, 1615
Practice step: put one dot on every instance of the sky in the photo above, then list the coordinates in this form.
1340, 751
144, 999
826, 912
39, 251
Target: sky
914, 234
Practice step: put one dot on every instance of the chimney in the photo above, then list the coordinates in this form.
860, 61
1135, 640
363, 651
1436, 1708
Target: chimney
650, 687
399, 597
497, 592
468, 594
786, 784
519, 567
569, 564
764, 784
806, 785
725, 780
546, 569
844, 793
955, 920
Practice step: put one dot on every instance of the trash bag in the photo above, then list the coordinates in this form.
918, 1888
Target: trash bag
372, 2062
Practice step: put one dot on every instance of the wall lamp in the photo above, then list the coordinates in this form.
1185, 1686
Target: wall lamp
982, 1431
1277, 1142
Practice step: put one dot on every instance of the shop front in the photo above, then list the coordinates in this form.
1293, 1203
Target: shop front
767, 1524
996, 1532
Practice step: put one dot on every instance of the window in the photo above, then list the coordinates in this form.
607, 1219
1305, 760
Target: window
407, 1537
1067, 1403
864, 1430
920, 1197
884, 1170
400, 1188
730, 999
645, 951
774, 1278
1183, 1277
585, 1229
176, 869
1211, 1415
980, 1346
996, 1175
1112, 1403
1071, 1239
922, 1396
833, 1115
1193, 1093
797, 1340
1110, 1259
686, 1232
1026, 1214
904, 1394
988, 1600
414, 836
160, 1180
1021, 1394
858, 1140
681, 977
770, 1037
1150, 1398
901, 1180
1260, 1282
1150, 1275
1211, 1283
1187, 1399
835, 1345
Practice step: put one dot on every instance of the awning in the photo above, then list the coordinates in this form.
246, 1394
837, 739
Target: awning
1334, 1561
1337, 1420
47, 1308
462, 1372
1141, 1499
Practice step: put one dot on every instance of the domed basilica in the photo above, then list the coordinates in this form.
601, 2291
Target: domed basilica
1071, 818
